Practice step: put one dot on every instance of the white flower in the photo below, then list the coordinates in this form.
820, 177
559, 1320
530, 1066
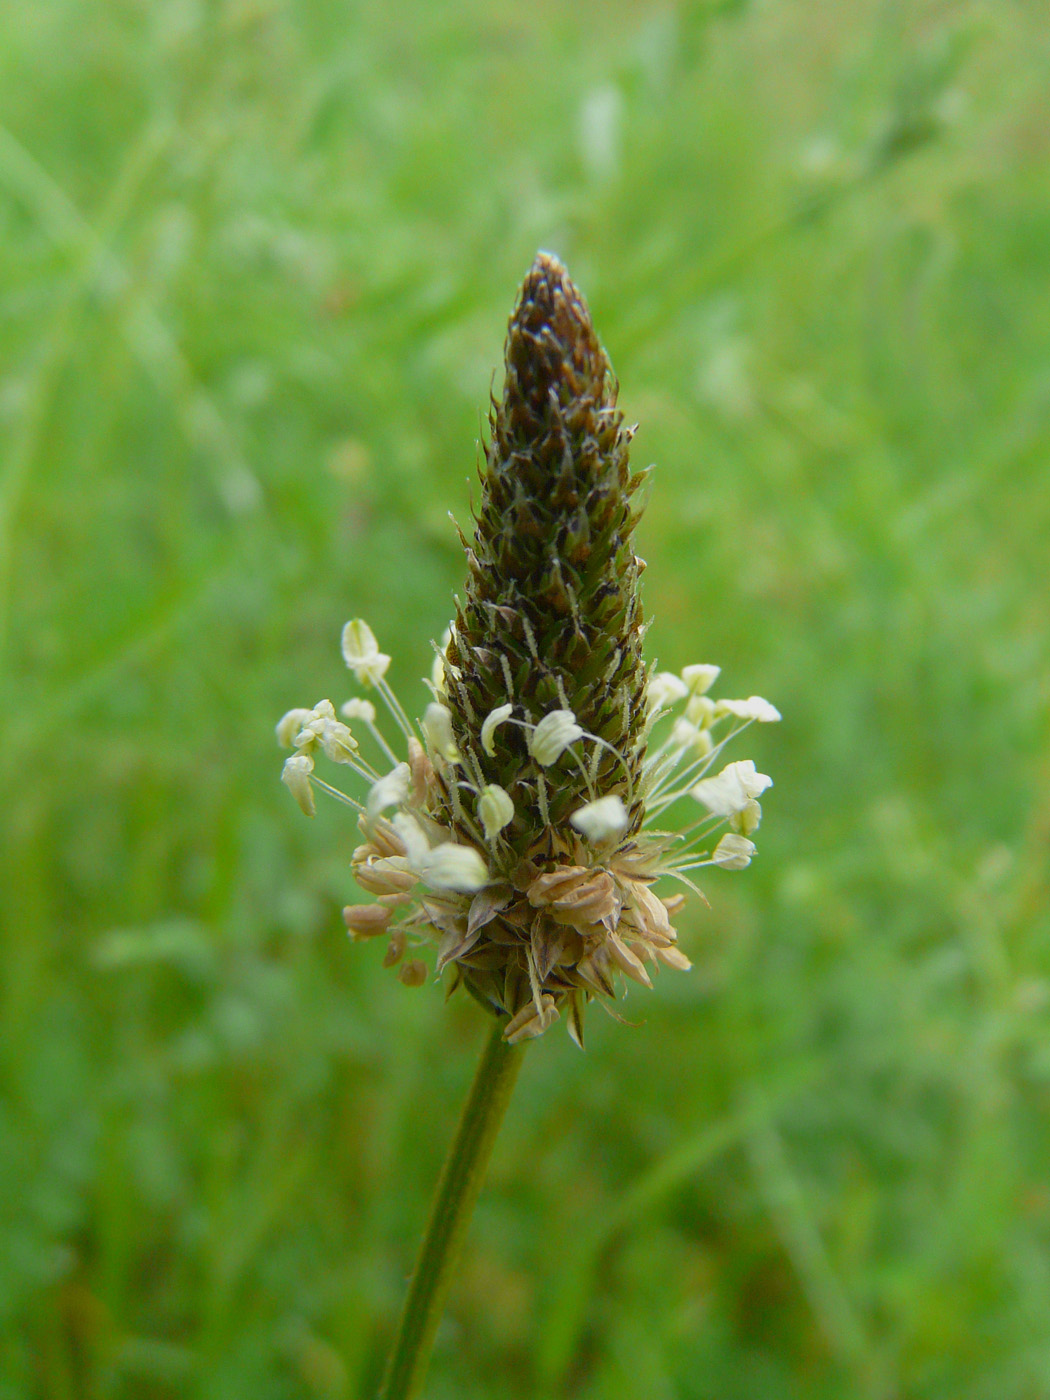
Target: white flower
754, 707
750, 779
389, 791
289, 725
437, 727
450, 866
296, 777
413, 838
440, 666
733, 852
747, 820
491, 724
312, 727
700, 679
664, 689
361, 652
700, 709
321, 729
553, 735
606, 816
437, 676
730, 792
495, 809
338, 743
359, 709
685, 735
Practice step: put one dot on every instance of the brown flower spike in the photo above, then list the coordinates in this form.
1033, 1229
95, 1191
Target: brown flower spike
522, 812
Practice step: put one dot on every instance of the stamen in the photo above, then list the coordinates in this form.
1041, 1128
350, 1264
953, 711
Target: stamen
377, 736
597, 739
692, 865
334, 792
394, 706
684, 880
658, 801
578, 760
364, 769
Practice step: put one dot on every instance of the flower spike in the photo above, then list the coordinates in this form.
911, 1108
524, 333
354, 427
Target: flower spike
517, 832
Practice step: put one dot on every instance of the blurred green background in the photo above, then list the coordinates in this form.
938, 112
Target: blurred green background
256, 260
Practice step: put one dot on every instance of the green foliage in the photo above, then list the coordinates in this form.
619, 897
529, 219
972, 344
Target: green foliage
255, 264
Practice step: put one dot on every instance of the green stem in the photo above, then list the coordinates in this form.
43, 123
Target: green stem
457, 1192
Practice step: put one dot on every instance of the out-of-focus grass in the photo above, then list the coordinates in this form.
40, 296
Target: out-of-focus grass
255, 263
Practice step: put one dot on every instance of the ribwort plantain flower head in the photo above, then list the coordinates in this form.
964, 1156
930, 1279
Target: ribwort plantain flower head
513, 826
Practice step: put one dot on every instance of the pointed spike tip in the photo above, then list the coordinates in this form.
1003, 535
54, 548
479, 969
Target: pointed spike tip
548, 296
552, 350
